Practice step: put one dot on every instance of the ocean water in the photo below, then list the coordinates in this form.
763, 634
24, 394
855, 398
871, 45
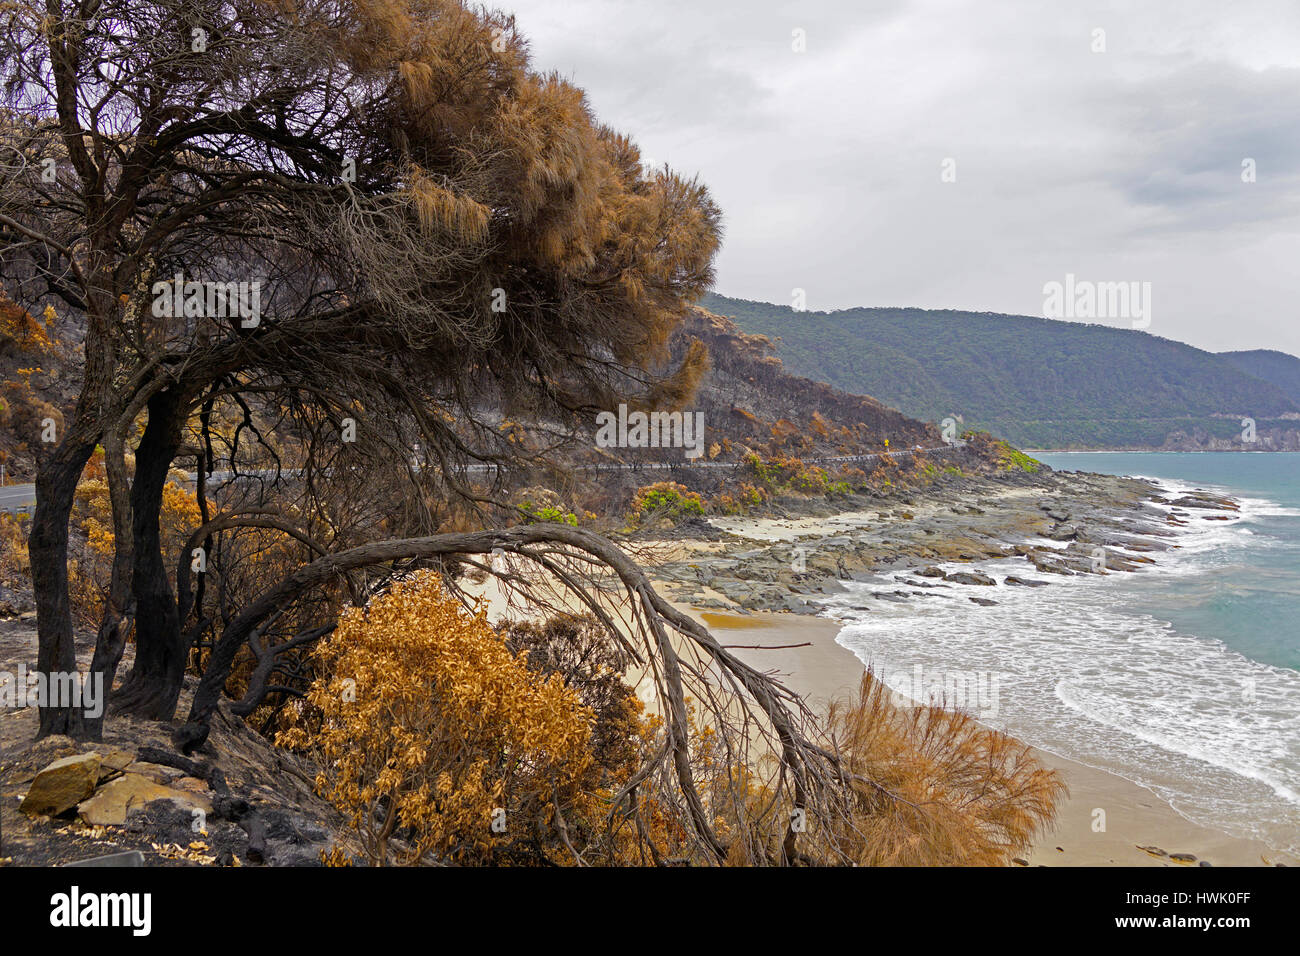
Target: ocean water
1184, 677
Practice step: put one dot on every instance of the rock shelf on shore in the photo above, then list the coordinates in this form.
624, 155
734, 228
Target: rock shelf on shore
1060, 524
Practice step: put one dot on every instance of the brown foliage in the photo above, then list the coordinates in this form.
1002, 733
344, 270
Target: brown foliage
428, 730
440, 234
579, 652
932, 787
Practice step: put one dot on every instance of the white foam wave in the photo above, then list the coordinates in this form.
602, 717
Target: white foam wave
1212, 731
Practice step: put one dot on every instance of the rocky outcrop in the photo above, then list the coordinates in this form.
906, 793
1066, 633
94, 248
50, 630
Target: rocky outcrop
62, 785
112, 802
236, 800
1201, 499
1061, 525
970, 577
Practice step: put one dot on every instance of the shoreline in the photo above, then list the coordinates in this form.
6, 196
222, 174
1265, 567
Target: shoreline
1160, 451
740, 583
826, 670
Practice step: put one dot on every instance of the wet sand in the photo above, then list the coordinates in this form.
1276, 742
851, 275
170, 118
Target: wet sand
824, 670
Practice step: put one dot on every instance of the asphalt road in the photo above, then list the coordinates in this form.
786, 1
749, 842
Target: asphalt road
20, 498
17, 497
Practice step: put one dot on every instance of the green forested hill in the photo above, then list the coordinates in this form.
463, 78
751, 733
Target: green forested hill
1279, 368
1036, 382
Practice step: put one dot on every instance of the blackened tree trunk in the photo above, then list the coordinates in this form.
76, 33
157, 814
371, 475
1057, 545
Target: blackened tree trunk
119, 604
57, 475
47, 549
154, 684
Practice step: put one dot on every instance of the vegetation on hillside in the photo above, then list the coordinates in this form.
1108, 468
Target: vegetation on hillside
1032, 381
33, 356
1267, 365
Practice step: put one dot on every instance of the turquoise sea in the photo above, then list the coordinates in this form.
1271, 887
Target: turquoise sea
1246, 594
1184, 678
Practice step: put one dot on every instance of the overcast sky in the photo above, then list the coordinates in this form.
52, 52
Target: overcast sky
1122, 165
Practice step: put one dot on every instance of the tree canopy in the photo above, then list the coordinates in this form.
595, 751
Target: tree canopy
423, 224
331, 246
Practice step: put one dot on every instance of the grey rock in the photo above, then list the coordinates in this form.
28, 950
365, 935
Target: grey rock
970, 577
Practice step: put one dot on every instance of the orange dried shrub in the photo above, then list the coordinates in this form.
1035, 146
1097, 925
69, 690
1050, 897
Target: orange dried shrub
784, 428
22, 331
819, 425
853, 475
15, 570
428, 731
746, 499
90, 559
933, 787
578, 651
24, 413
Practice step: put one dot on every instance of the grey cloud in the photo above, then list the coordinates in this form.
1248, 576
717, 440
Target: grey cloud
1122, 165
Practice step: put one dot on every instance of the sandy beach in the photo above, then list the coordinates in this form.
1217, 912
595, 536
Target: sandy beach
700, 576
1140, 828
1135, 817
